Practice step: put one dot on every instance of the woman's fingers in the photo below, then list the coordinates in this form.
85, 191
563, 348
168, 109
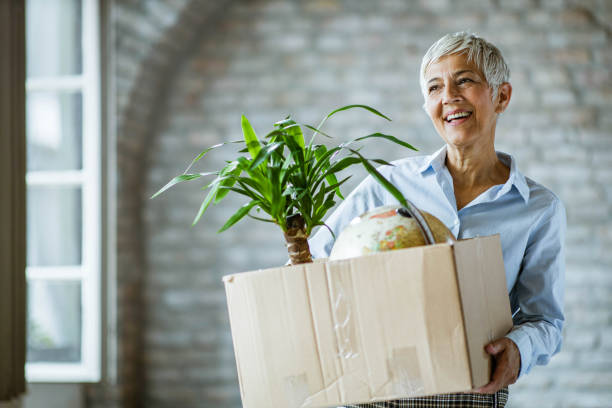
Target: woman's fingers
507, 365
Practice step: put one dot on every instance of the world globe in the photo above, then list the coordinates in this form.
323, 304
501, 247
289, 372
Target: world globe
384, 229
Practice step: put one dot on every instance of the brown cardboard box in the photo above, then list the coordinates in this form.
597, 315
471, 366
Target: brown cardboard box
396, 324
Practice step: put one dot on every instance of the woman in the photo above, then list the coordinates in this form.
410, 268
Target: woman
475, 191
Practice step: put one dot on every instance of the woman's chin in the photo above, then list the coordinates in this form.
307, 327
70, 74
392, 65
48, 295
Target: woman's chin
460, 139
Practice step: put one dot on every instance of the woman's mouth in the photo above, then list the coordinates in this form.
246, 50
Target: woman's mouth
456, 118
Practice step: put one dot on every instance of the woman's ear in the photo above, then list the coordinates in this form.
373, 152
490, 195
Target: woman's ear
504, 93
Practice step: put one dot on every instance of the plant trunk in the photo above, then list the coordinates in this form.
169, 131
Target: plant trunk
297, 240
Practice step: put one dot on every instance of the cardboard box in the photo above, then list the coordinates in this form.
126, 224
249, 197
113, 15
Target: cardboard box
391, 325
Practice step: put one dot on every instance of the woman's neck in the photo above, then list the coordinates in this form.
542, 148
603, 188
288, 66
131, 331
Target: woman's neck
475, 167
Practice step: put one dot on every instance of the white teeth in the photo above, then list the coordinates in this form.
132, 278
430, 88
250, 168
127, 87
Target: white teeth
457, 115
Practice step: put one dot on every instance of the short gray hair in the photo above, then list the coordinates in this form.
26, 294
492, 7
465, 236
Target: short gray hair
487, 57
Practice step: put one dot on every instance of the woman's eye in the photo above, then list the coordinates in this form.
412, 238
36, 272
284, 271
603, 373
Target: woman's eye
464, 80
433, 88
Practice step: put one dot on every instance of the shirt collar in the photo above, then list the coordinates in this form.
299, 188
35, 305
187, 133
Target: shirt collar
434, 161
437, 160
516, 178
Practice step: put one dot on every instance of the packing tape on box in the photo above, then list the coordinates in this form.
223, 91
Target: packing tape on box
342, 316
297, 384
296, 390
405, 372
344, 326
404, 380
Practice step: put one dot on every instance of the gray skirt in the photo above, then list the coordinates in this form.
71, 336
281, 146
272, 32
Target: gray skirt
468, 400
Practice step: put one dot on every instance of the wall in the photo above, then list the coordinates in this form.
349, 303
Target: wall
146, 39
267, 59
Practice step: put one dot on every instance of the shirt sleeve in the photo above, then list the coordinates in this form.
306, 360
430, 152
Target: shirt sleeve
365, 197
538, 292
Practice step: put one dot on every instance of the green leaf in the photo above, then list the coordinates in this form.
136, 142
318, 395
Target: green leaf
326, 206
180, 179
244, 163
203, 152
209, 197
342, 164
233, 171
273, 135
254, 184
329, 202
335, 186
388, 137
383, 162
318, 198
250, 137
323, 158
287, 170
261, 219
381, 179
330, 175
264, 153
330, 230
245, 191
277, 201
329, 172
295, 131
255, 190
297, 153
244, 210
374, 111
284, 122
316, 130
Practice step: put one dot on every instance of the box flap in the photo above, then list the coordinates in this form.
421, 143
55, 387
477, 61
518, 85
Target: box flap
273, 335
484, 298
444, 322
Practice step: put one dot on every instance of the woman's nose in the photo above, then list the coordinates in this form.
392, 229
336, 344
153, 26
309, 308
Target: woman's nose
451, 93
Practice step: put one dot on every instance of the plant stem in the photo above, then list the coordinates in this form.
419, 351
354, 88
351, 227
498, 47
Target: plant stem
297, 240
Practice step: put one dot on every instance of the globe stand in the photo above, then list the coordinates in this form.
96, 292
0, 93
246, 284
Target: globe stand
410, 210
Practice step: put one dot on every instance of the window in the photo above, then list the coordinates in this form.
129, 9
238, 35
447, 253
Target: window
63, 190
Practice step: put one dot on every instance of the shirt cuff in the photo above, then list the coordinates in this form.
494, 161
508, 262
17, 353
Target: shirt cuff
523, 343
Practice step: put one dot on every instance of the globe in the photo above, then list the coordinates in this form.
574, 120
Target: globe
385, 229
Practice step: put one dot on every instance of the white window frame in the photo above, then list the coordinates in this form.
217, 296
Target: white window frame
89, 178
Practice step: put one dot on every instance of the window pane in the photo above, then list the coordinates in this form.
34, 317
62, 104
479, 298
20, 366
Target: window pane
54, 321
54, 129
53, 42
54, 226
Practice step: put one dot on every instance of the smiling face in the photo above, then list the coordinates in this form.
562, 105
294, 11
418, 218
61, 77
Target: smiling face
459, 102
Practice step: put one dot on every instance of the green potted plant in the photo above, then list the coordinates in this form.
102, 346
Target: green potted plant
294, 183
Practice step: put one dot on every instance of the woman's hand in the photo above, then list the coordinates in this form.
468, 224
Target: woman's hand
507, 365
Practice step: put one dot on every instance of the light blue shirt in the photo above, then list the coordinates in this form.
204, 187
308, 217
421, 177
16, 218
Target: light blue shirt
531, 222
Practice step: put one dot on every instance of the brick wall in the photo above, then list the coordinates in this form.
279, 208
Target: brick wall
147, 37
267, 59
